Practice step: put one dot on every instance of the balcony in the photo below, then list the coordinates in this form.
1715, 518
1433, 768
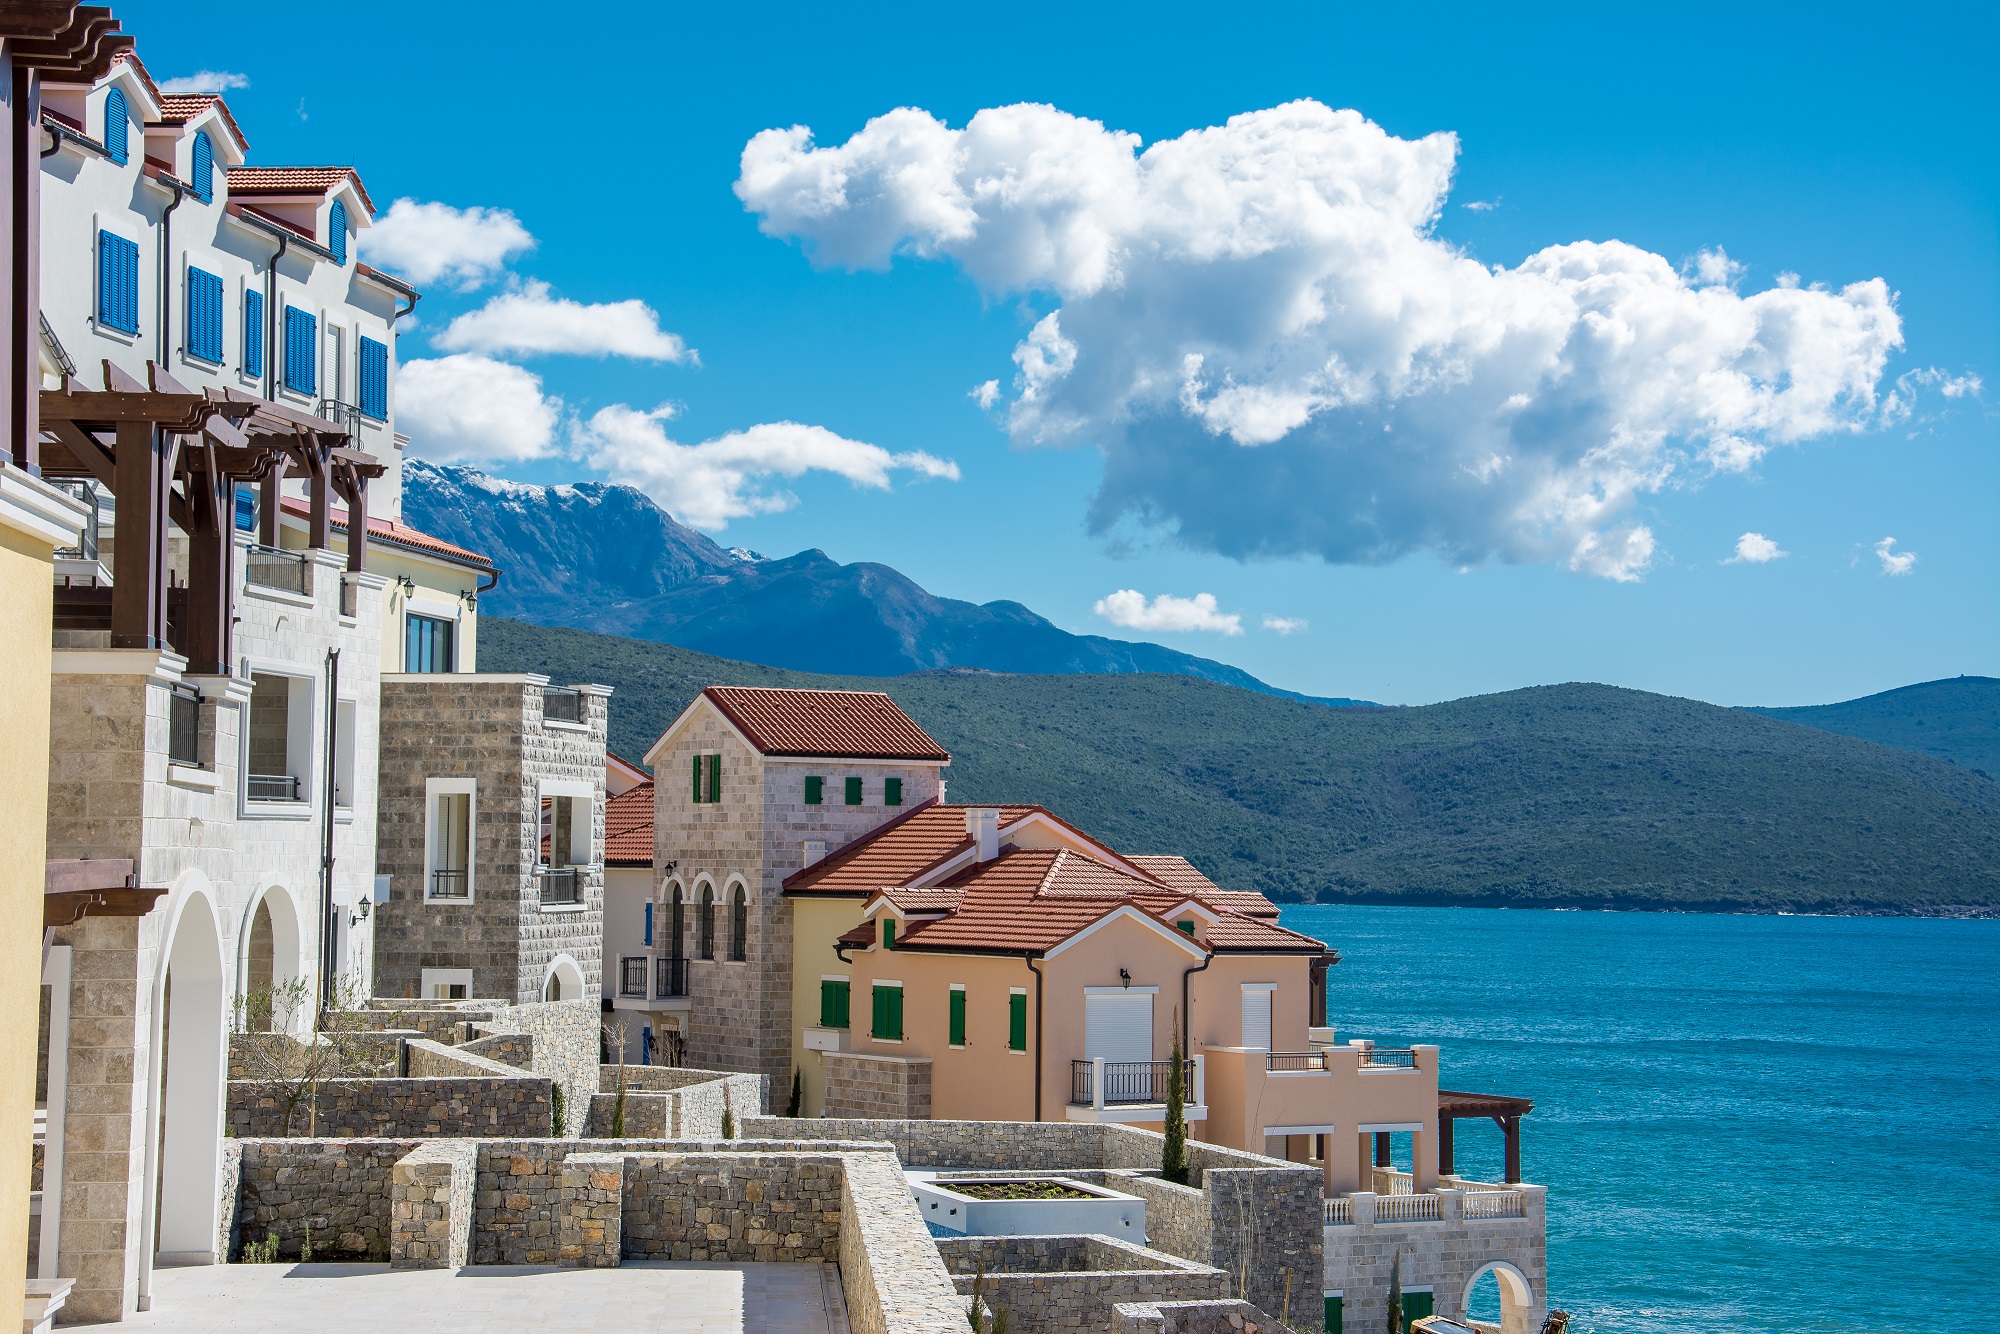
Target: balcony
560, 705
1126, 1083
670, 979
632, 975
272, 787
560, 886
275, 568
449, 884
184, 727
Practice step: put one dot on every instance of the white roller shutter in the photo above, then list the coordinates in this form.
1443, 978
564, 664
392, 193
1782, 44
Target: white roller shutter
1118, 1027
1257, 1017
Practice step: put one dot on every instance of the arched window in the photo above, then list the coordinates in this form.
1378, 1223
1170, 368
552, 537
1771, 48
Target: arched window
553, 991
676, 925
739, 926
204, 168
336, 231
707, 921
117, 124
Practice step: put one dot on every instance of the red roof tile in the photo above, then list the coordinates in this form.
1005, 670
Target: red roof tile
1180, 873
838, 724
394, 534
180, 108
628, 827
897, 853
294, 181
130, 57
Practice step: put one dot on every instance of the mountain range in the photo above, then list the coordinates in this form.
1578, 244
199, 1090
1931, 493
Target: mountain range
602, 557
1571, 795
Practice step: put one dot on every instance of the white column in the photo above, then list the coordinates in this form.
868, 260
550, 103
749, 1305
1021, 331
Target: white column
1097, 1083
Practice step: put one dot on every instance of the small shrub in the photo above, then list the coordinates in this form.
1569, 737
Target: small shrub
263, 1252
306, 1246
728, 1124
559, 1104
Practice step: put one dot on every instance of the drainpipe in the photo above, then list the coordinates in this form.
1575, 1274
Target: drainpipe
414, 298
271, 316
326, 847
167, 261
1186, 973
1029, 959
478, 588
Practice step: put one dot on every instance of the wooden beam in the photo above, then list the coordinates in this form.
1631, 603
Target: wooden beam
211, 559
85, 449
1513, 1129
1445, 1167
138, 586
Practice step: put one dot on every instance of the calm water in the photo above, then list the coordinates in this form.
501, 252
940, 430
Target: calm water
1745, 1123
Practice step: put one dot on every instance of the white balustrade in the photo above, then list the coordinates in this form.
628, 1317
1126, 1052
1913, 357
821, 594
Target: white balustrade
1338, 1211
1407, 1209
1493, 1204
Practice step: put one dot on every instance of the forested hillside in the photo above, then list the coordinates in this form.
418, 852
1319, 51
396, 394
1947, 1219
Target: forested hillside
1569, 795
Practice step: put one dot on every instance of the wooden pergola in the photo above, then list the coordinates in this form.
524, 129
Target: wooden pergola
175, 456
1503, 1111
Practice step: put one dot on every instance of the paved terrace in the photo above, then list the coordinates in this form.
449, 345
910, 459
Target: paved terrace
636, 1298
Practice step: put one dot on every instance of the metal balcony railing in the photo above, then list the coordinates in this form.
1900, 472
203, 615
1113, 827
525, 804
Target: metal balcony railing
560, 705
271, 787
451, 884
670, 978
1125, 1082
86, 547
272, 567
632, 970
1393, 1058
184, 727
560, 884
1289, 1061
347, 416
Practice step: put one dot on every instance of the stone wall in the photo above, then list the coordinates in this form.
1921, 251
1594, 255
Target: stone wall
734, 1207
893, 1278
590, 1211
472, 1106
689, 1105
1443, 1255
1177, 1217
340, 1189
865, 1086
433, 1060
562, 1044
1218, 1317
430, 1206
515, 1049
1050, 1284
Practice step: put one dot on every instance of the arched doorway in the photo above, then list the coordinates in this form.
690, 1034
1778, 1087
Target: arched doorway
1500, 1294
269, 958
564, 980
190, 1038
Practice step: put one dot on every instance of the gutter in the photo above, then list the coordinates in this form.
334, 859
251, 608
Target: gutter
1187, 973
271, 314
477, 587
167, 260
1029, 959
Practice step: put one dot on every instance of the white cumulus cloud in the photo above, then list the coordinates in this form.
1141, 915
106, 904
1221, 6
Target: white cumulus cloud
1894, 561
708, 484
1259, 328
1755, 549
425, 242
205, 81
986, 394
531, 320
1286, 625
1128, 607
473, 407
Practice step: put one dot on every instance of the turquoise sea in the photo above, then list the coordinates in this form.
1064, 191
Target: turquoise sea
1745, 1123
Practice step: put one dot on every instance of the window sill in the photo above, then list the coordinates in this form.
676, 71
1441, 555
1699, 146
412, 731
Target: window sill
278, 595
193, 776
435, 901
562, 726
564, 907
887, 1042
277, 810
114, 332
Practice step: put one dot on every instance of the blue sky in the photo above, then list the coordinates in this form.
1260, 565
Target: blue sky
1837, 145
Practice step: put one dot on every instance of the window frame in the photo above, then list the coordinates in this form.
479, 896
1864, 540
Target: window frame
301, 351
433, 789
852, 794
836, 1001
885, 1000
111, 297
302, 739
117, 129
739, 924
255, 332
449, 625
202, 320
815, 790
955, 1020
705, 923
892, 791
1017, 1019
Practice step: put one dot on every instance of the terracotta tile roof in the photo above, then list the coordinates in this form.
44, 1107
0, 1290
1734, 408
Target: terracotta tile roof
294, 181
180, 108
1238, 932
898, 853
1182, 876
628, 827
130, 57
390, 533
858, 936
924, 900
1072, 875
67, 122
838, 724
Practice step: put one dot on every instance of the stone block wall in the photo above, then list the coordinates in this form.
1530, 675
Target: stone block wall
1051, 1284
691, 1109
590, 1211
864, 1086
734, 1207
1177, 1217
1214, 1317
1444, 1256
894, 1280
340, 1189
434, 1060
430, 1206
562, 1045
515, 1049
471, 1106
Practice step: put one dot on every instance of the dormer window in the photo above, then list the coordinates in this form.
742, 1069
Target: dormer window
336, 231
203, 176
117, 125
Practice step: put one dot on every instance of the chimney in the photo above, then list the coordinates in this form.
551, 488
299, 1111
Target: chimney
815, 851
983, 823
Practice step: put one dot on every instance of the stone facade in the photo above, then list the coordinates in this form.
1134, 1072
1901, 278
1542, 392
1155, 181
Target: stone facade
1051, 1284
339, 1189
734, 1207
590, 1213
512, 1105
741, 1012
1444, 1255
675, 1104
490, 729
890, 1088
1217, 1317
430, 1206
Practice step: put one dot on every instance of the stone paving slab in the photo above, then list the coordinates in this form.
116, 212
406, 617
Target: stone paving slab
655, 1298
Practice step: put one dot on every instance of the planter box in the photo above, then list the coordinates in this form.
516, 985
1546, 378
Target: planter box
1106, 1213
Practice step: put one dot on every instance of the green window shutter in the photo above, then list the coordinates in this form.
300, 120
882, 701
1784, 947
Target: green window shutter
854, 791
1416, 1305
815, 789
697, 778
896, 1012
1017, 1022
892, 792
1187, 926
1333, 1305
833, 1004
888, 1004
715, 777
888, 933
842, 990
958, 1018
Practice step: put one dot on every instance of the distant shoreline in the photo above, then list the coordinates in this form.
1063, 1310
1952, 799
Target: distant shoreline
1973, 912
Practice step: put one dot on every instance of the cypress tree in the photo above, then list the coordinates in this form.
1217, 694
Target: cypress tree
1173, 1157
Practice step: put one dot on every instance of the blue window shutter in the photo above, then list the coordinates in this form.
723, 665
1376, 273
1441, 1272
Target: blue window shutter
374, 379
253, 332
246, 510
117, 125
336, 231
204, 168
204, 315
118, 282
301, 351
649, 923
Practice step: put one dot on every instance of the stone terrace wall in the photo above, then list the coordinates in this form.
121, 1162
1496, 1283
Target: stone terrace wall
1047, 1146
894, 1280
1177, 1217
1051, 1284
1193, 1318
691, 1110
515, 1049
563, 1046
885, 1087
338, 1188
473, 1107
434, 1060
734, 1207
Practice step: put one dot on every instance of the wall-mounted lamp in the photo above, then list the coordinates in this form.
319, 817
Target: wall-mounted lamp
1125, 978
407, 584
469, 598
